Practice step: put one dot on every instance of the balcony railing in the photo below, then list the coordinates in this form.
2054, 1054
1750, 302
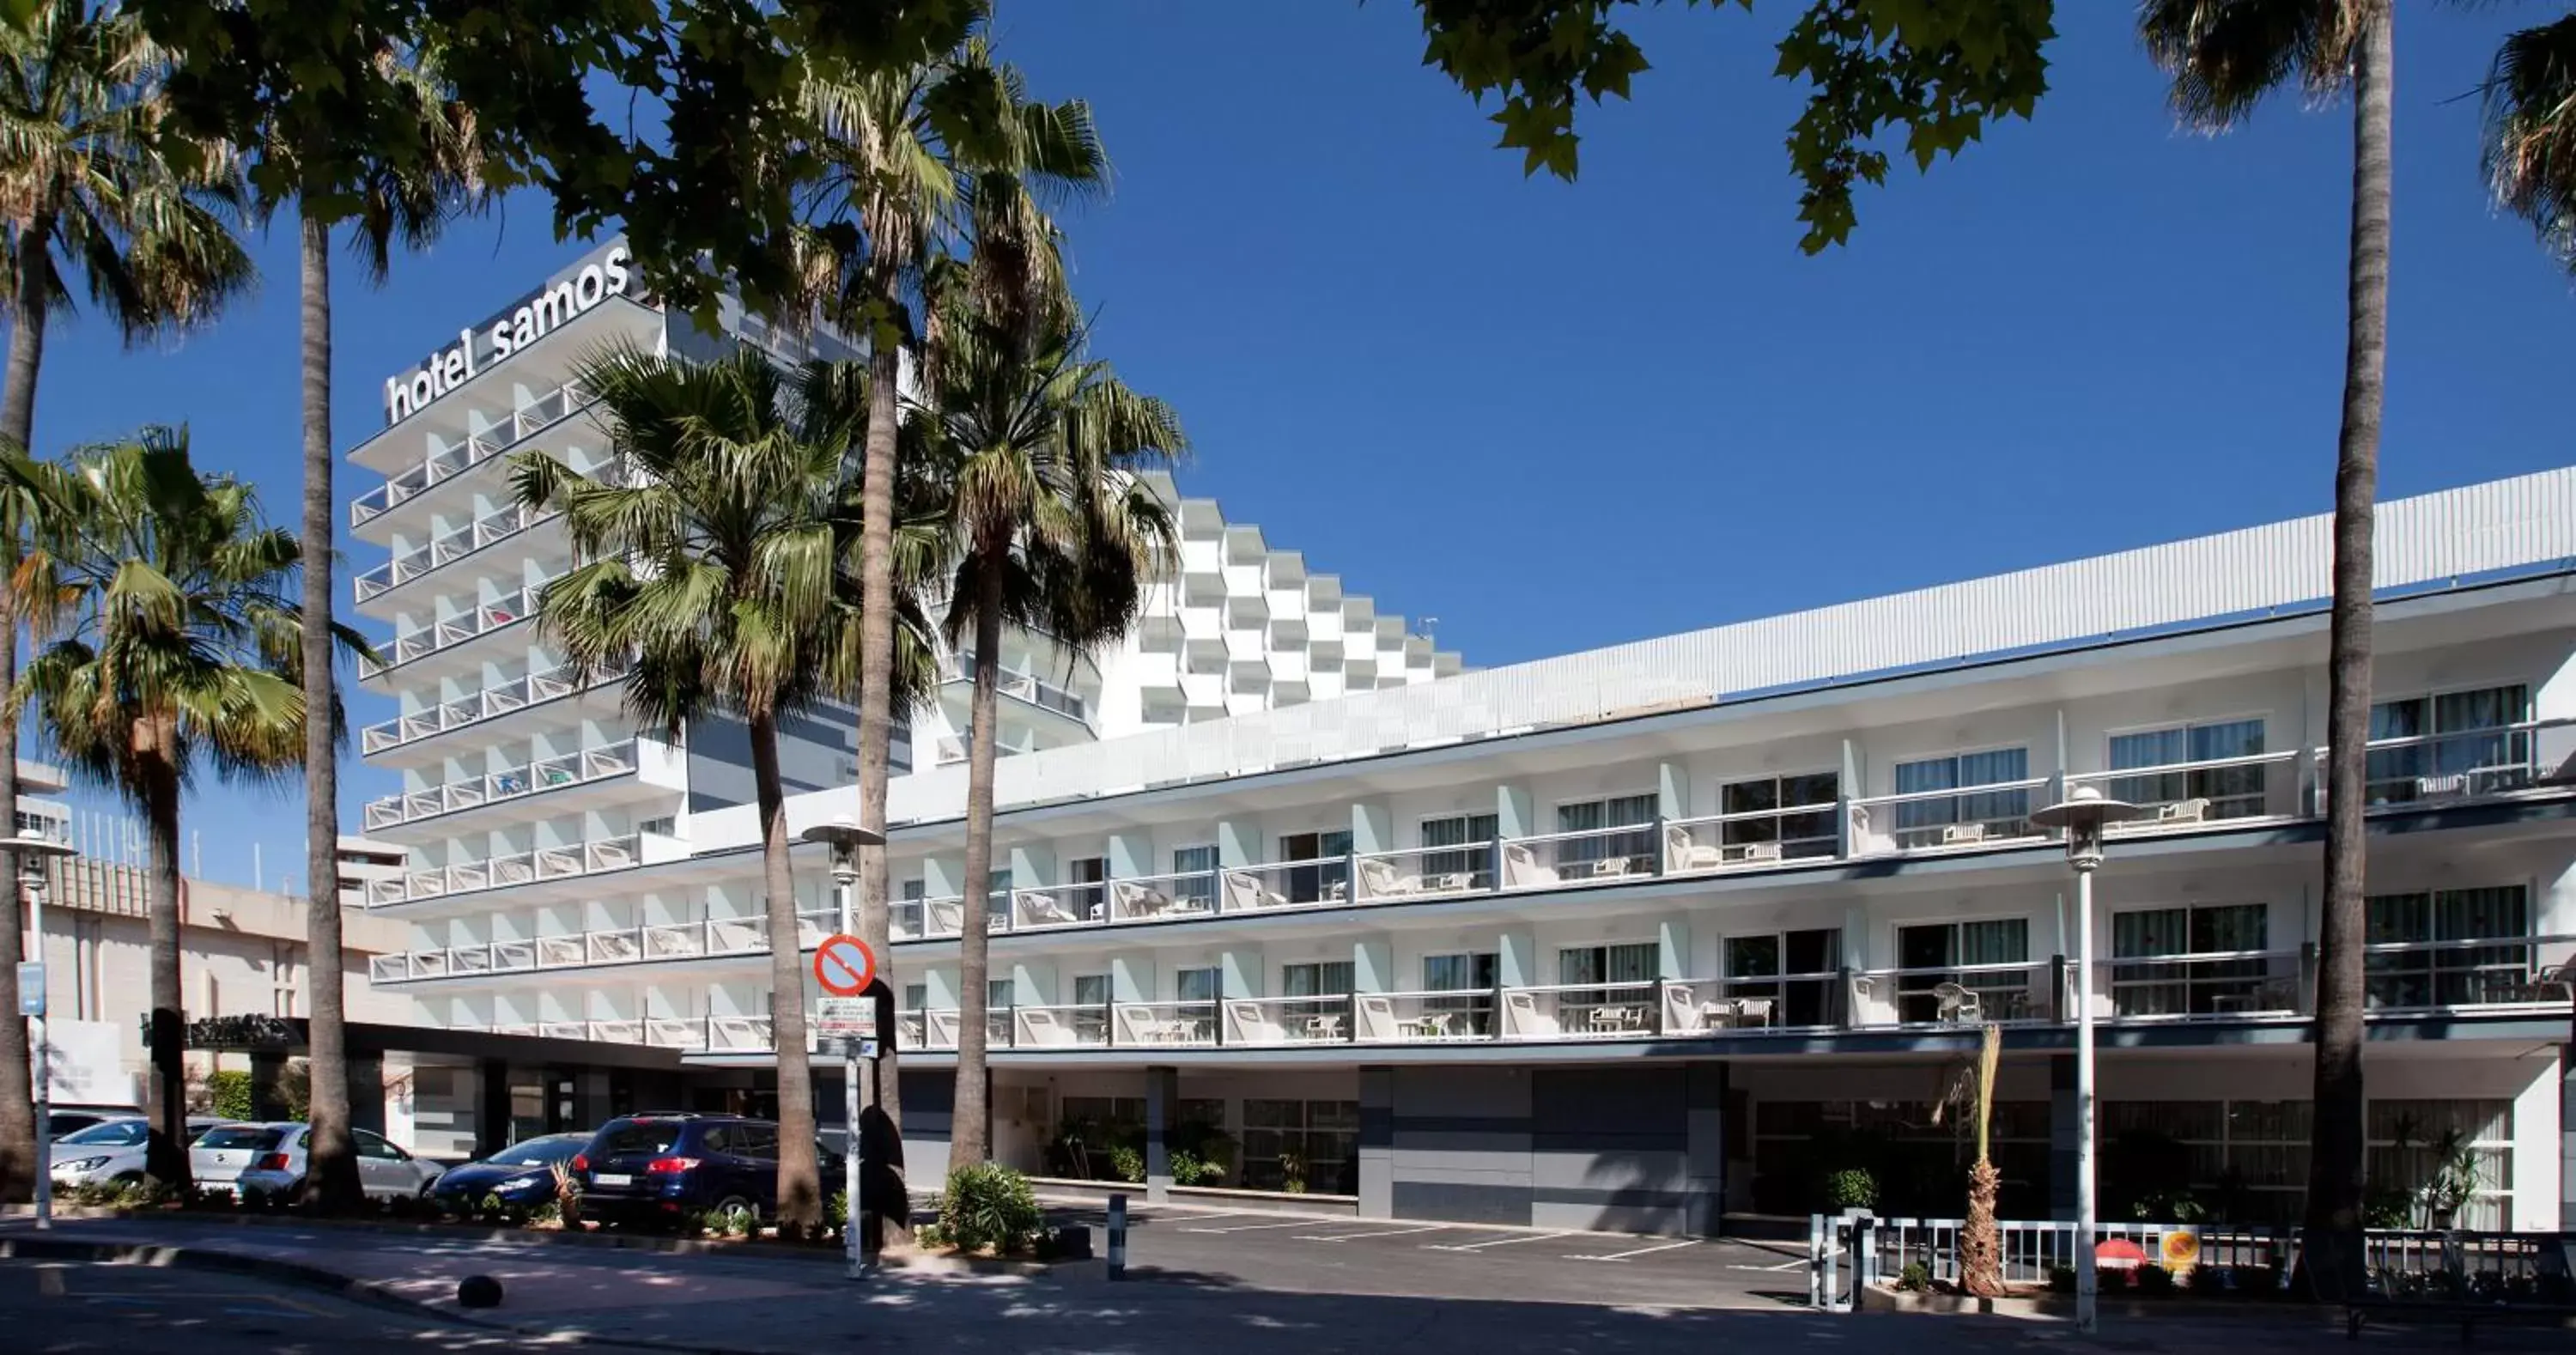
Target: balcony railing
449, 547
644, 943
544, 412
554, 773
499, 614
1314, 882
1028, 688
502, 872
2463, 764
489, 703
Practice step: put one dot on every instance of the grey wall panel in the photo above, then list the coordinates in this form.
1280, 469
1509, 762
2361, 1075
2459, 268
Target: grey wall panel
1457, 1202
1461, 1093
1611, 1170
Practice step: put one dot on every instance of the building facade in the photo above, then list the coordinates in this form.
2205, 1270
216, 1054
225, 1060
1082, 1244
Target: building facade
1637, 937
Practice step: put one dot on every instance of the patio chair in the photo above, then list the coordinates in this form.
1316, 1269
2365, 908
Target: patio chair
1683, 1014
1682, 852
1138, 899
1379, 879
1044, 911
1959, 1004
1521, 868
1522, 1018
1753, 1011
1039, 1028
2192, 810
943, 917
1248, 1023
1376, 1019
1244, 891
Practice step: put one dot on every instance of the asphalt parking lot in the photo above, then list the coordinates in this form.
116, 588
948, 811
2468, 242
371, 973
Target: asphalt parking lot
1267, 1250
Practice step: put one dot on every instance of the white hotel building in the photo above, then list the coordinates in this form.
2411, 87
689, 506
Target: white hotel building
1626, 938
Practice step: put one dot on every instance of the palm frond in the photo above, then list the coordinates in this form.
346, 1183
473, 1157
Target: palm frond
2226, 56
2530, 131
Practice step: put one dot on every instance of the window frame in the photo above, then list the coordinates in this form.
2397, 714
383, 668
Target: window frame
2195, 783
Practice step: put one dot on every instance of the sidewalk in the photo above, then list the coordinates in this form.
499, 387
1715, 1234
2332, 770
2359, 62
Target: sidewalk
743, 1306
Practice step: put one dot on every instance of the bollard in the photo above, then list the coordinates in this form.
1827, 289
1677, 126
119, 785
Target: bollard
1118, 1237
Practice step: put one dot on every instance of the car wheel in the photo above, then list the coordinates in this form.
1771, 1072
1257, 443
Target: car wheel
736, 1214
128, 1179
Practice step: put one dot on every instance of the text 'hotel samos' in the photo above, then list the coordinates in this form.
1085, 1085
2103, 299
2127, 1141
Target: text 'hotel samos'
1628, 938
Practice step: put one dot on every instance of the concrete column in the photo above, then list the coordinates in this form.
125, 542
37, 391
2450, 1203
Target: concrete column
1377, 1143
1030, 864
266, 1102
1239, 842
943, 877
491, 1107
2061, 1136
1372, 829
1673, 948
367, 1094
1516, 960
1239, 971
1131, 853
1373, 968
1131, 979
1513, 814
1704, 1145
1033, 984
2566, 1136
1162, 1096
1672, 790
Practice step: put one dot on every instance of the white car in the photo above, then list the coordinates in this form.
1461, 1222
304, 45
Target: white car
111, 1152
268, 1159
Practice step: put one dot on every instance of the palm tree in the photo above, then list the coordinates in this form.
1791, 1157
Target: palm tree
718, 564
1055, 532
89, 197
2224, 56
1972, 1087
2531, 131
406, 196
899, 144
169, 641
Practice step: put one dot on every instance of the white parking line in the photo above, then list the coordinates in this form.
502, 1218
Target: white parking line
1499, 1242
1641, 1251
1390, 1232
1254, 1227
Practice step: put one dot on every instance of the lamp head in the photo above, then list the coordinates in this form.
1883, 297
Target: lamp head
844, 838
2082, 814
34, 850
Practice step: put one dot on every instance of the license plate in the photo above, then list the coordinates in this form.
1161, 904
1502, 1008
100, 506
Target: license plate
223, 1188
612, 1179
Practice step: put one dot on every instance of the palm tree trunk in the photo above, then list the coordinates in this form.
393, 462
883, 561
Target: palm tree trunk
876, 702
2336, 1164
970, 1136
800, 1191
165, 1093
17, 427
331, 1181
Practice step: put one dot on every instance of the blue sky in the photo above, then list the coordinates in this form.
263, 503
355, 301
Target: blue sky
1560, 416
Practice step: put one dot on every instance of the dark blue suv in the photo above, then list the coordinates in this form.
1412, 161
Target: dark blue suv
645, 1169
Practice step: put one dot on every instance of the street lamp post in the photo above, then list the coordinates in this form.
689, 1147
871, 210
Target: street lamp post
2082, 814
845, 838
33, 854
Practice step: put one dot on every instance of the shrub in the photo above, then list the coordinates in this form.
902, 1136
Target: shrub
1127, 1164
2061, 1279
1915, 1278
929, 1235
228, 1094
2155, 1282
1188, 1169
989, 1205
1851, 1188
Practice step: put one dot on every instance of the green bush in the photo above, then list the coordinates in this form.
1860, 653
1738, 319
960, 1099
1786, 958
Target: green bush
989, 1205
1851, 1188
1127, 1164
228, 1094
1915, 1278
929, 1235
1189, 1170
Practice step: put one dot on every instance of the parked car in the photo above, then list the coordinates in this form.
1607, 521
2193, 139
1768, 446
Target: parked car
521, 1175
644, 1169
61, 1122
268, 1159
112, 1151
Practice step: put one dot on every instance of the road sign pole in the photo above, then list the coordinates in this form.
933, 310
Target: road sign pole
44, 1069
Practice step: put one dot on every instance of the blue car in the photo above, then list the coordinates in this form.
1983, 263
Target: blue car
643, 1170
520, 1176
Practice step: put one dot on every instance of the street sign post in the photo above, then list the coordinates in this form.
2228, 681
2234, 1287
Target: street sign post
844, 966
847, 970
845, 1018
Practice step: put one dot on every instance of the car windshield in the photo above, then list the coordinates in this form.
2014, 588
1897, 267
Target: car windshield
639, 1136
111, 1133
544, 1152
239, 1136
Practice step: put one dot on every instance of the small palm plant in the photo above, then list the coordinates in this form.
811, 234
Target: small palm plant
1972, 1087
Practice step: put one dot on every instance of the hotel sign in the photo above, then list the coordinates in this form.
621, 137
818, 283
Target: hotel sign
567, 295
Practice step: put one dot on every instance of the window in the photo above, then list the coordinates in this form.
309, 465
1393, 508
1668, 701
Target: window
998, 1000
916, 996
1471, 975
1197, 990
373, 1145
2200, 987
1102, 1110
1084, 878
1937, 820
1949, 952
756, 1141
1795, 1144
1473, 835
1091, 1009
1797, 972
2245, 1161
2427, 967
2463, 744
2232, 792
1328, 980
997, 899
907, 910
1195, 885
1625, 975
1797, 813
1595, 821
2409, 1140
1313, 1143
1329, 874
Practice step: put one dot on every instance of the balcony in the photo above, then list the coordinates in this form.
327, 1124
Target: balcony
587, 767
476, 450
647, 943
505, 872
413, 649
517, 694
1028, 689
491, 529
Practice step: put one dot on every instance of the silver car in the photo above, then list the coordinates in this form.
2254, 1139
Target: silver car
111, 1152
268, 1159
